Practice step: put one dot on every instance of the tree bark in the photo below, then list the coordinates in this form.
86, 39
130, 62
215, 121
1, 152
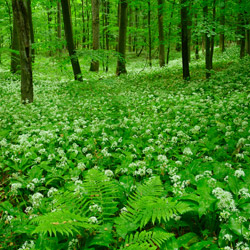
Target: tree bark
149, 34
184, 40
207, 43
242, 31
161, 33
59, 28
15, 56
222, 23
95, 32
169, 31
83, 27
69, 39
20, 10
32, 37
107, 9
196, 39
130, 26
121, 64
213, 35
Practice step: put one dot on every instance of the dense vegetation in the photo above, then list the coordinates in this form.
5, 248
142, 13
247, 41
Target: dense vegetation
143, 161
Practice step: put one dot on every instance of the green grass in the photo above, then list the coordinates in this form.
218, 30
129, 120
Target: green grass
173, 154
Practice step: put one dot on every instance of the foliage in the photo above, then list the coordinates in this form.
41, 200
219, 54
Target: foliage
144, 161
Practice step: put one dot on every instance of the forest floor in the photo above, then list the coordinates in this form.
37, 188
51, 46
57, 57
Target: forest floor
141, 161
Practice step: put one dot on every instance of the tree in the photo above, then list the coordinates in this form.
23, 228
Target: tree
184, 39
32, 37
69, 38
15, 57
20, 10
95, 32
121, 63
149, 34
207, 42
161, 33
222, 23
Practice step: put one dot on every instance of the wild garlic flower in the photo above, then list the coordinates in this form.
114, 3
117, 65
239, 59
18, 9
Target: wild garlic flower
225, 198
238, 173
36, 199
244, 193
227, 237
51, 191
124, 210
81, 166
187, 151
95, 208
27, 245
109, 173
15, 187
93, 220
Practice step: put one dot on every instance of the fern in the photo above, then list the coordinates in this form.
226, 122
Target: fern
143, 208
103, 192
61, 221
145, 240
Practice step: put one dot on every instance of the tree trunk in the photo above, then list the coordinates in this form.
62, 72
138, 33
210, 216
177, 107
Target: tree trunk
130, 26
83, 27
69, 38
15, 56
10, 20
32, 37
149, 34
169, 31
242, 31
88, 21
196, 39
49, 17
248, 41
107, 9
184, 40
207, 43
222, 23
121, 64
212, 36
95, 32
136, 29
189, 25
59, 28
20, 10
161, 33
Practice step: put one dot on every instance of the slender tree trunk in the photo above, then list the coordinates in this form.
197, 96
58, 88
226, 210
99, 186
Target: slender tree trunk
149, 34
207, 43
107, 9
130, 26
49, 17
20, 10
121, 64
222, 23
10, 20
212, 36
69, 38
248, 40
161, 33
88, 21
184, 40
196, 40
189, 25
32, 37
83, 27
15, 56
242, 31
59, 28
136, 29
169, 31
95, 32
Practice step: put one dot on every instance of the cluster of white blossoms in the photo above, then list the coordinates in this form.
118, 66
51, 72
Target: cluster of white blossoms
244, 193
95, 208
51, 191
15, 187
31, 186
187, 151
225, 200
36, 199
93, 220
72, 244
239, 173
109, 173
27, 245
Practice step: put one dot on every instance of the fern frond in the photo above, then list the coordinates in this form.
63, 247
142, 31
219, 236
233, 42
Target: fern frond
146, 240
102, 191
143, 208
61, 221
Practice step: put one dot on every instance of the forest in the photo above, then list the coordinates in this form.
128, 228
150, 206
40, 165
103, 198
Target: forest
124, 124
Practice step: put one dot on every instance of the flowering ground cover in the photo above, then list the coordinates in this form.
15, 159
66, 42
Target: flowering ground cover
143, 161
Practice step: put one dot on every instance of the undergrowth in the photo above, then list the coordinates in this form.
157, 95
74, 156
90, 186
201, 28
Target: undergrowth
143, 161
